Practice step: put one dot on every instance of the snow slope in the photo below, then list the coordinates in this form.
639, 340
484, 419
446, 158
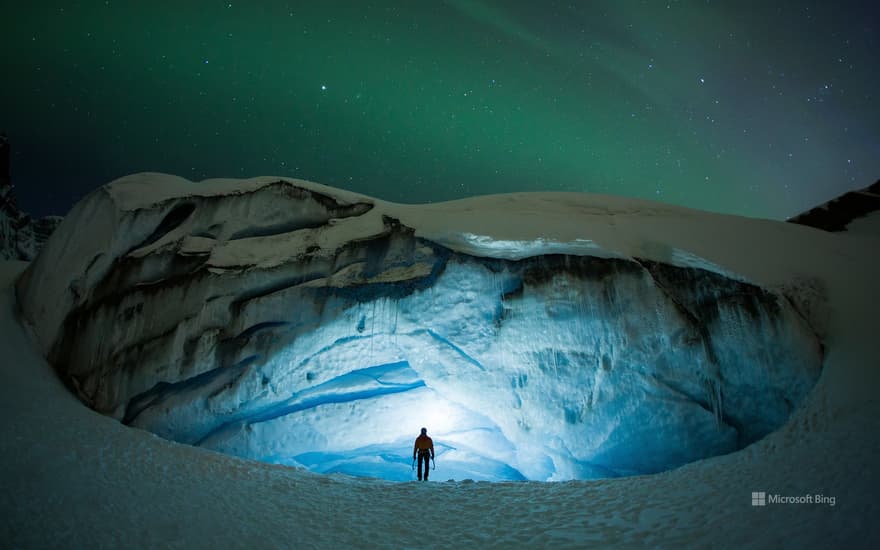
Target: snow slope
72, 477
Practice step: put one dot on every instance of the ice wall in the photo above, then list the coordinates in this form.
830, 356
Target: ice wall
294, 324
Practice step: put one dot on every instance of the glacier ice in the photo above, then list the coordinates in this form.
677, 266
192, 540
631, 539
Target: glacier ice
291, 323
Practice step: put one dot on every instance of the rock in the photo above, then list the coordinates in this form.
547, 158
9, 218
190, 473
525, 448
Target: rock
845, 211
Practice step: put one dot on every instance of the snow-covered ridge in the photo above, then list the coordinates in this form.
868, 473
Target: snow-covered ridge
855, 211
606, 322
21, 237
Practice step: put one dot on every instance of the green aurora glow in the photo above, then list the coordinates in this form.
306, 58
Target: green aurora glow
753, 108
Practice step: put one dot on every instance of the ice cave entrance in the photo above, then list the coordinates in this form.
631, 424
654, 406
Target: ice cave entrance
270, 320
548, 369
364, 423
563, 414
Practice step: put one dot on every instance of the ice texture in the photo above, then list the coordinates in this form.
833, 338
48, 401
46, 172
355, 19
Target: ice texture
291, 323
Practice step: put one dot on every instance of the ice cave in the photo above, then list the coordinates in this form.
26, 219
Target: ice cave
291, 323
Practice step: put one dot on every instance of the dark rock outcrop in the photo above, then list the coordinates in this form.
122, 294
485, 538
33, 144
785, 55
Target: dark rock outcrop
837, 214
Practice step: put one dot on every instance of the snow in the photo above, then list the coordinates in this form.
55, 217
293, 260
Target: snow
73, 477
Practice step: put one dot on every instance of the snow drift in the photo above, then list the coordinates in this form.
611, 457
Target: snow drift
292, 323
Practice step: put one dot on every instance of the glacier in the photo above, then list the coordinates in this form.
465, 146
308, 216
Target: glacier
296, 324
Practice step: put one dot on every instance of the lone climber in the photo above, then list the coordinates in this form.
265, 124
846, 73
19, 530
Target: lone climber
423, 450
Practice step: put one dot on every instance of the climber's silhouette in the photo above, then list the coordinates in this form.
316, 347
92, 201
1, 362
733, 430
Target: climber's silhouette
424, 451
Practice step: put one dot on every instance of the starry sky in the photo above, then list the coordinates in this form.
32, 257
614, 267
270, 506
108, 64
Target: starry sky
754, 108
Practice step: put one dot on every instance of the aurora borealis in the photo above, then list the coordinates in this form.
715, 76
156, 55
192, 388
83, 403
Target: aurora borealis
754, 108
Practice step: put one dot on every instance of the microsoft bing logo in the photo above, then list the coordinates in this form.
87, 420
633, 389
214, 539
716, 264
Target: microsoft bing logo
761, 498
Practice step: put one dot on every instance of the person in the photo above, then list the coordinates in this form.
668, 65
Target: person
423, 450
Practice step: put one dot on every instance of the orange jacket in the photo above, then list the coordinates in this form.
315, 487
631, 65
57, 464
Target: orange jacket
423, 443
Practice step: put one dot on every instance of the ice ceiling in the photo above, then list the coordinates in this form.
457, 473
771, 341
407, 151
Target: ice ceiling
326, 333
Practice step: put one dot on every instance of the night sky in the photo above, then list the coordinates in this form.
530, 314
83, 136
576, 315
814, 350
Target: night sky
759, 108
